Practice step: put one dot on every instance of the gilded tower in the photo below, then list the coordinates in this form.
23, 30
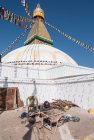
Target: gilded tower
38, 33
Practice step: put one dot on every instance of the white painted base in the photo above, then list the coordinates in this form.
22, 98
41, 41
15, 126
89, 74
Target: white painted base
77, 87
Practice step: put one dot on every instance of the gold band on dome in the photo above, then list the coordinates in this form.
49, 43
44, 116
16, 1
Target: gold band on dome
38, 12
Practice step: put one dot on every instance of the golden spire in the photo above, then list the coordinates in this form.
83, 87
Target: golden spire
38, 33
38, 12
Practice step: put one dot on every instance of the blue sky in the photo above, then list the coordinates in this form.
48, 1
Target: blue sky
75, 17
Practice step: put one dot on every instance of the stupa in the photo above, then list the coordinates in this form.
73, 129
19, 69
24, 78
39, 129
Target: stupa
39, 69
38, 48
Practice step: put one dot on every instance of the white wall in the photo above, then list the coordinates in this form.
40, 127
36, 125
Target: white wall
67, 70
79, 89
14, 71
68, 86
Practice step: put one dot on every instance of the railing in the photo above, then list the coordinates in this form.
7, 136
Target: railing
15, 71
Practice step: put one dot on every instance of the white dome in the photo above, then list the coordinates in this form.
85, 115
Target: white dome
38, 54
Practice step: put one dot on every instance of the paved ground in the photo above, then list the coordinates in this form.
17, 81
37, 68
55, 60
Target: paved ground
14, 128
85, 127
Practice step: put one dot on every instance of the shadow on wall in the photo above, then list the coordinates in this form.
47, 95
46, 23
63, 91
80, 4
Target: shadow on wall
35, 89
27, 72
0, 69
5, 82
15, 71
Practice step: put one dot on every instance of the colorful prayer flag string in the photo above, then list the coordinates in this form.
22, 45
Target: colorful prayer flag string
24, 4
91, 49
14, 43
13, 18
6, 14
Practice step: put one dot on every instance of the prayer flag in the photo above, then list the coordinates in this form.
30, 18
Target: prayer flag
2, 10
23, 2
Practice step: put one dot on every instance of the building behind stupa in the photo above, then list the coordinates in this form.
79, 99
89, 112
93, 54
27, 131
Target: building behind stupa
39, 69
